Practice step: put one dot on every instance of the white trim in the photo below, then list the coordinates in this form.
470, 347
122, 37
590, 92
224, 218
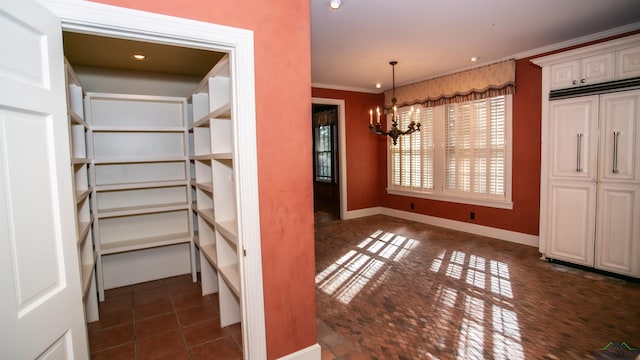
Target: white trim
454, 199
105, 20
569, 55
353, 214
313, 352
579, 41
346, 88
501, 234
342, 149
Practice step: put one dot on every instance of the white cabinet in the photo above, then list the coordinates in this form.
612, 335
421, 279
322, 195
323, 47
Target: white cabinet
628, 63
215, 211
139, 151
592, 189
84, 214
618, 229
619, 137
573, 138
586, 71
572, 208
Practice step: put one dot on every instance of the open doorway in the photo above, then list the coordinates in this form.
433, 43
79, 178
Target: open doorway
326, 189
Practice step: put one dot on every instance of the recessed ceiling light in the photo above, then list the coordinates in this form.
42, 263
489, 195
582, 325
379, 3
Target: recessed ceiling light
139, 57
335, 4
378, 86
474, 58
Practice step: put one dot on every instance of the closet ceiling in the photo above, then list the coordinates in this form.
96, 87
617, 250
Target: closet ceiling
351, 47
113, 53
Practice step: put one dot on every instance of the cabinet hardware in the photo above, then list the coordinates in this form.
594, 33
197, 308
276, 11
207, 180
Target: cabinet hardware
583, 81
579, 154
616, 136
575, 82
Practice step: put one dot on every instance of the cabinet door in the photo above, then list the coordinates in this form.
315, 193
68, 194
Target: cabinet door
573, 137
572, 210
620, 138
618, 229
564, 75
628, 63
597, 69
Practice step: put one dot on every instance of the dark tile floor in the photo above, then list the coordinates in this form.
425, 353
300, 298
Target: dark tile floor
163, 319
394, 289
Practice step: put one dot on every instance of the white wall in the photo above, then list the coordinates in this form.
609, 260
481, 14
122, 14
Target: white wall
129, 82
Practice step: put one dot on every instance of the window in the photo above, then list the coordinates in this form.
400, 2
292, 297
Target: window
324, 153
473, 164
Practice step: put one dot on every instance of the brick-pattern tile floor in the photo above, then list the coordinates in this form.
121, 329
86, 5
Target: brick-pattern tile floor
394, 289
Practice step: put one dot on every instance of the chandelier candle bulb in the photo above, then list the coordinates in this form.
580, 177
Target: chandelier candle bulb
378, 110
370, 116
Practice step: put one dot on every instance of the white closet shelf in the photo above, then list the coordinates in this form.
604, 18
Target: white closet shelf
115, 247
83, 230
222, 156
87, 274
203, 157
207, 215
209, 251
196, 240
206, 186
143, 209
140, 185
80, 161
232, 277
134, 160
76, 119
97, 128
223, 112
82, 194
228, 229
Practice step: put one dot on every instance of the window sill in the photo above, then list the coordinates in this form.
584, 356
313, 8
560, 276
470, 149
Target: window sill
455, 199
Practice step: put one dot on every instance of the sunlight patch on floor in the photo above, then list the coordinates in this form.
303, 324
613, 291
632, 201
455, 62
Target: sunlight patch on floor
351, 273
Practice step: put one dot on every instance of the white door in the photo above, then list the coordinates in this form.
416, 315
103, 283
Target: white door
573, 133
618, 229
572, 216
620, 137
41, 313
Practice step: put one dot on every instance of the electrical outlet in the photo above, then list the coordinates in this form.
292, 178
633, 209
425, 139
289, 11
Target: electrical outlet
472, 215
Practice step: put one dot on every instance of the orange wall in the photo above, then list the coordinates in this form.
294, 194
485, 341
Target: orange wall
525, 174
283, 90
362, 150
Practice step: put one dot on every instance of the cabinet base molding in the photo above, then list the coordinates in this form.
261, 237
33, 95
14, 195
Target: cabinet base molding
312, 352
590, 269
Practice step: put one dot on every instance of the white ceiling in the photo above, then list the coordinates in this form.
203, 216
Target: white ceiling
351, 47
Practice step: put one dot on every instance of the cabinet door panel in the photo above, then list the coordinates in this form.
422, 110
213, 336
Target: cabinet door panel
596, 69
573, 133
619, 158
629, 63
564, 75
572, 207
618, 224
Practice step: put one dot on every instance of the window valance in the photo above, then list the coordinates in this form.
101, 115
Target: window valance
479, 83
325, 117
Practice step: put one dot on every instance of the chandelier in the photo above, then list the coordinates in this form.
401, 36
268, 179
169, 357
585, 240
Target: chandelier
394, 133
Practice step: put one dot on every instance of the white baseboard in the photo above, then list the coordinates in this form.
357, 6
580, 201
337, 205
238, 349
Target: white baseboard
313, 352
362, 213
507, 235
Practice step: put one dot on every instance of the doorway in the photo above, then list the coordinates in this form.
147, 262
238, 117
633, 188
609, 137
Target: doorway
326, 191
110, 21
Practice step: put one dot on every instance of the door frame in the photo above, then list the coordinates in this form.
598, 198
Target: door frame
342, 145
112, 21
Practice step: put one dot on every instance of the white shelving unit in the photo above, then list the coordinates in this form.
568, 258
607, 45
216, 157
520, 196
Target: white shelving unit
213, 184
84, 215
139, 151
